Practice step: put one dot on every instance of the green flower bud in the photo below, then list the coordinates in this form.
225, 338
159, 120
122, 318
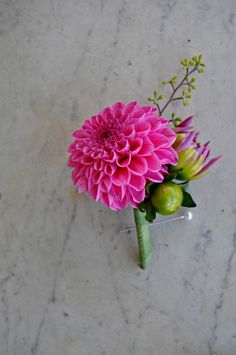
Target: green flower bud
167, 198
155, 92
174, 79
189, 163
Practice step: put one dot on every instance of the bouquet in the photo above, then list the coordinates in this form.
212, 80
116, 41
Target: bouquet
132, 155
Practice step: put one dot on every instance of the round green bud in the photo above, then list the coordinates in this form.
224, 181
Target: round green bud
167, 198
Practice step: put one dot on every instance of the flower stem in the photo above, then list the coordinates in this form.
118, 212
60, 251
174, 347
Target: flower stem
144, 241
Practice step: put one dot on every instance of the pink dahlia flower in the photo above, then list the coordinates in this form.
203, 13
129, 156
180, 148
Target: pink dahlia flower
118, 150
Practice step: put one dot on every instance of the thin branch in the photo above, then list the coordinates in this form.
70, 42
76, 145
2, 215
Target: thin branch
158, 107
182, 82
172, 85
178, 98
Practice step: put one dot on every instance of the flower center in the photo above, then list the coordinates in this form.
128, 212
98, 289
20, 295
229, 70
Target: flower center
106, 135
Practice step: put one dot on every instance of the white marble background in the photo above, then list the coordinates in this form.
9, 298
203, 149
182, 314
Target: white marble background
69, 282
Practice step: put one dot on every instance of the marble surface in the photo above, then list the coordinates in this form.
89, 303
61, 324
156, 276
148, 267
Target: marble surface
69, 282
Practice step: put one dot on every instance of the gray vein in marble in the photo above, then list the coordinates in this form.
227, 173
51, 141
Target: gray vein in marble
52, 298
5, 312
220, 303
84, 51
120, 14
202, 245
64, 246
35, 346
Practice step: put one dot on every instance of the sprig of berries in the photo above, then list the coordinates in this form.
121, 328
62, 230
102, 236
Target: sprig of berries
187, 84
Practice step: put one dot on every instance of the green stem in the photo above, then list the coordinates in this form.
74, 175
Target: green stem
144, 241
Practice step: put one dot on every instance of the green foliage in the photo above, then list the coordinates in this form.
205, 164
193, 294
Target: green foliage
176, 119
188, 201
147, 207
189, 65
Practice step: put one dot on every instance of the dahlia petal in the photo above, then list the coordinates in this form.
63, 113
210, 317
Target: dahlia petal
118, 109
96, 155
137, 115
149, 109
124, 160
142, 128
86, 160
121, 176
71, 162
99, 119
155, 124
138, 165
76, 173
137, 182
106, 183
130, 107
122, 145
153, 163
135, 145
98, 165
138, 196
154, 176
124, 202
105, 199
86, 150
163, 120
71, 147
88, 171
110, 156
97, 177
147, 147
158, 140
107, 113
118, 192
81, 186
167, 156
80, 134
110, 169
129, 131
169, 134
95, 192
